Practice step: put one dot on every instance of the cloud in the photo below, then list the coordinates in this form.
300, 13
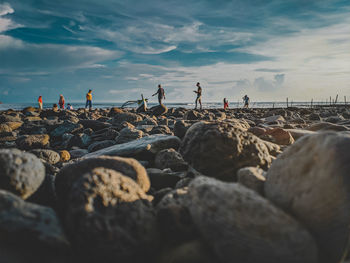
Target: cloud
5, 9
264, 85
18, 55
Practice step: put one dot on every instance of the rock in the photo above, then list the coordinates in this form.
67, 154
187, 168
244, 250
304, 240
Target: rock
20, 173
159, 110
314, 117
66, 127
220, 149
174, 218
335, 119
252, 178
49, 156
278, 119
110, 218
194, 251
104, 134
148, 121
45, 195
257, 131
65, 156
326, 126
29, 232
161, 129
180, 128
114, 111
5, 128
170, 158
9, 118
246, 227
281, 136
126, 116
297, 133
77, 153
309, 180
128, 135
100, 145
193, 115
94, 125
163, 179
80, 140
14, 125
141, 149
38, 141
72, 172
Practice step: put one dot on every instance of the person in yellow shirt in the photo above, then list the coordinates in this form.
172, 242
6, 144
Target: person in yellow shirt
89, 99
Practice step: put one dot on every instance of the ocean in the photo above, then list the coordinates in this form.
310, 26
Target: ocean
189, 105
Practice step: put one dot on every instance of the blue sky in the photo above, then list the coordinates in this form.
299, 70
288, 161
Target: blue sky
120, 49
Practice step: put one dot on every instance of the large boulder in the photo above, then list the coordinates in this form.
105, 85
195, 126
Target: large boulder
29, 232
252, 178
280, 136
180, 128
100, 145
94, 124
326, 126
220, 149
142, 149
310, 180
20, 173
241, 226
159, 110
110, 218
72, 172
37, 141
5, 128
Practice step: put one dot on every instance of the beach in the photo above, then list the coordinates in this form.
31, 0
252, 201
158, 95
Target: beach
174, 184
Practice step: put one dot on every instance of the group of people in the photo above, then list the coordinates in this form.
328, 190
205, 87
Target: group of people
161, 95
61, 102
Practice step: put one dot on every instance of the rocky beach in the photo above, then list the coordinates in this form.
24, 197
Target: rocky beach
175, 185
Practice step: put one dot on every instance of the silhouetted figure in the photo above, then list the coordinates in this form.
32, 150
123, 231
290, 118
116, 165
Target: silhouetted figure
199, 95
246, 101
161, 94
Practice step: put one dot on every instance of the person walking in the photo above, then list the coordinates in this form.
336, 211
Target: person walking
225, 103
40, 102
161, 94
199, 95
61, 102
246, 101
89, 99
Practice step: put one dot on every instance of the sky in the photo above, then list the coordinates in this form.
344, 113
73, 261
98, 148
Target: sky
270, 50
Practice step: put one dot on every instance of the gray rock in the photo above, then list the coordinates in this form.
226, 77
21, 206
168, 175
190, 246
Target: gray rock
66, 127
72, 172
29, 232
128, 135
49, 156
100, 145
110, 218
20, 173
169, 158
77, 153
220, 149
310, 181
252, 178
180, 128
142, 149
239, 224
326, 126
163, 179
94, 124
126, 116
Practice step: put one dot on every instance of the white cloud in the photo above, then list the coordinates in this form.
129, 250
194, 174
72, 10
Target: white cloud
5, 9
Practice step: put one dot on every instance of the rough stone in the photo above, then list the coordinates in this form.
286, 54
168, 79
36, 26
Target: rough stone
49, 156
170, 158
38, 141
252, 178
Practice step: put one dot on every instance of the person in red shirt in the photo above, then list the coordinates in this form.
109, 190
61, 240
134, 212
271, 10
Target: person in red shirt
40, 102
61, 102
225, 103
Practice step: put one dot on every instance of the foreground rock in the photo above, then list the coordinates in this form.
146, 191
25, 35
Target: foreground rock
71, 173
310, 180
28, 142
20, 173
246, 227
29, 232
220, 149
252, 178
110, 219
142, 149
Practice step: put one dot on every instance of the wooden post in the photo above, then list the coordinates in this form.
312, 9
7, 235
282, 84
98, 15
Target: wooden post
345, 100
312, 100
336, 99
287, 102
330, 100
